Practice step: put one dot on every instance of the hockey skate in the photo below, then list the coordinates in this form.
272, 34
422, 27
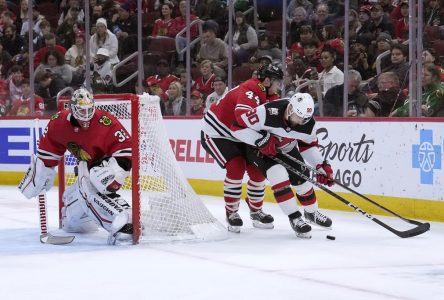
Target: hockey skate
318, 218
234, 222
298, 224
261, 219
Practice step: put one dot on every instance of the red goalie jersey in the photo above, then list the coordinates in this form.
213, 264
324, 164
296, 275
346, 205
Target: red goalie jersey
105, 137
226, 112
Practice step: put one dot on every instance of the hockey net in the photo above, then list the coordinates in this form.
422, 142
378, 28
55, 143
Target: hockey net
165, 207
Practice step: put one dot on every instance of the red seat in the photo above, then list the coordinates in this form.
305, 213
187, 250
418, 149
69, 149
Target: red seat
438, 45
432, 33
274, 30
160, 48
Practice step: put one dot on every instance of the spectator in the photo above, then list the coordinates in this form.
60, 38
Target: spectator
176, 105
429, 56
162, 26
381, 21
45, 28
50, 42
212, 10
398, 65
331, 36
244, 40
306, 34
365, 34
383, 43
125, 28
36, 18
305, 4
432, 13
5, 62
22, 106
432, 104
357, 100
54, 62
321, 18
102, 73
330, 75
402, 24
359, 60
97, 13
311, 55
14, 82
76, 58
354, 25
197, 107
213, 49
11, 41
204, 83
389, 97
103, 38
6, 18
267, 46
161, 82
299, 17
387, 6
48, 86
220, 89
23, 14
66, 29
69, 13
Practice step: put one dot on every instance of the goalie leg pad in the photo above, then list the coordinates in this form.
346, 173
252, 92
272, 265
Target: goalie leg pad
74, 214
37, 178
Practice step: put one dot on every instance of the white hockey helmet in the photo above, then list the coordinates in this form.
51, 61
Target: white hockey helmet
82, 105
302, 105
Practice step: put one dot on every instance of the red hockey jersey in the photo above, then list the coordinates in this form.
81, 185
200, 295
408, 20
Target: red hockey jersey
105, 137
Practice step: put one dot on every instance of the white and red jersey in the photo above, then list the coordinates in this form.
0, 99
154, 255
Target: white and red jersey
105, 137
22, 106
271, 117
205, 86
223, 115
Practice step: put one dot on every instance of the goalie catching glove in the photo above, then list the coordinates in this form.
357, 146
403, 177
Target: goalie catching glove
325, 174
267, 144
37, 178
108, 177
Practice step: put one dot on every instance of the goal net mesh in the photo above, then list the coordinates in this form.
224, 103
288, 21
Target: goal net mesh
169, 208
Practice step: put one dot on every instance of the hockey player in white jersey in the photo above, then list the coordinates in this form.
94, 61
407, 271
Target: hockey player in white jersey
288, 126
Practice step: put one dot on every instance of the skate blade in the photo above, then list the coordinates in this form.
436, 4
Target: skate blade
235, 229
306, 235
261, 225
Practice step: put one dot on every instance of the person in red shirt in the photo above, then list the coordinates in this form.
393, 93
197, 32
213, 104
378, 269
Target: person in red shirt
50, 42
162, 26
197, 105
22, 106
218, 140
160, 83
103, 165
204, 83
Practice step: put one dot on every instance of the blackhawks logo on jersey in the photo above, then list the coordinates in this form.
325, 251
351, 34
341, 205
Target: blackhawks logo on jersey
78, 152
105, 121
55, 116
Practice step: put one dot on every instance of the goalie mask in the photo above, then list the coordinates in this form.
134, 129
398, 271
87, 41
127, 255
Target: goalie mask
82, 107
300, 109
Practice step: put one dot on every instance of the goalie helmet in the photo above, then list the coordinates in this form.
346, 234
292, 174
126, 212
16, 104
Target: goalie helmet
82, 106
301, 105
270, 71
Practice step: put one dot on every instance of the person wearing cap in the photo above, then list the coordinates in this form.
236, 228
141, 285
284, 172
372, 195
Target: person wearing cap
102, 73
220, 89
381, 21
197, 105
204, 83
365, 34
382, 44
402, 24
104, 38
124, 26
160, 82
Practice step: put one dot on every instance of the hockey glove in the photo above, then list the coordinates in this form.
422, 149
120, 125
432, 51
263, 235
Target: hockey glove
267, 144
325, 174
37, 178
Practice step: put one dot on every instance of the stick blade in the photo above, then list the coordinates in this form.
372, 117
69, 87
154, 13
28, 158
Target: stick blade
424, 227
56, 240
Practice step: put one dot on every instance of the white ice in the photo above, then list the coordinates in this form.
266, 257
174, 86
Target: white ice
364, 262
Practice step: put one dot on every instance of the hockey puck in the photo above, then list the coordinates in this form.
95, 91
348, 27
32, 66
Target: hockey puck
330, 237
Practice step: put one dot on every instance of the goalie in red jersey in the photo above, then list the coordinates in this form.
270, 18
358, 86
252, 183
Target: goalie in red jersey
103, 148
218, 140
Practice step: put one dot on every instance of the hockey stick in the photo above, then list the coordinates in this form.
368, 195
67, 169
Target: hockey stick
302, 164
45, 236
420, 229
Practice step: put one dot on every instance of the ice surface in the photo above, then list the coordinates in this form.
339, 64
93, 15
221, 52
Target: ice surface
364, 262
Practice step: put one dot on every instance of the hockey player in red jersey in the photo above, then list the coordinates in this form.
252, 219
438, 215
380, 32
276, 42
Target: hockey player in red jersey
103, 148
218, 140
287, 126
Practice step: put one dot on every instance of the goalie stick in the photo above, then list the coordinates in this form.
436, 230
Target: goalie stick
419, 229
45, 236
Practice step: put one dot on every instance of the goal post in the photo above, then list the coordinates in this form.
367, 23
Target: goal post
164, 205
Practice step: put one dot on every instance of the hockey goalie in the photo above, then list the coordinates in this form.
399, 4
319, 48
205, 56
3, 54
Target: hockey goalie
102, 147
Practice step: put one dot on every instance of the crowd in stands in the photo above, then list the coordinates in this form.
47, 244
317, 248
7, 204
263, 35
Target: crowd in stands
379, 67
